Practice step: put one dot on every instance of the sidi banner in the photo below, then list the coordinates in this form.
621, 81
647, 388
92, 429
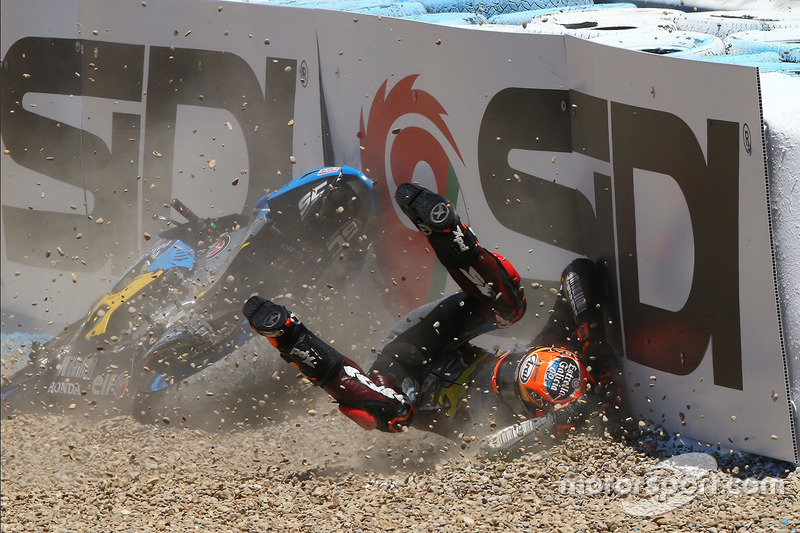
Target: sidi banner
553, 149
109, 112
699, 308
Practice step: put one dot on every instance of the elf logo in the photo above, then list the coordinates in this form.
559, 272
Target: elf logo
110, 384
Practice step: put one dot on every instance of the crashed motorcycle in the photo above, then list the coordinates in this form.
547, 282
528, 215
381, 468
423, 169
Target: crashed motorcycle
168, 343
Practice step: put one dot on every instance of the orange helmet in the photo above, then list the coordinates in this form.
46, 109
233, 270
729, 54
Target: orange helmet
542, 378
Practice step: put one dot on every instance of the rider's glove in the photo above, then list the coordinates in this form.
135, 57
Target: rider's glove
528, 432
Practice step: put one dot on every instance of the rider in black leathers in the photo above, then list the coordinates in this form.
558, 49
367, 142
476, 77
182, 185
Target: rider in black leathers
431, 377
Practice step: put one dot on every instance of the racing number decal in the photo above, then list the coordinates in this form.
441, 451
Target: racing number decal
310, 197
344, 236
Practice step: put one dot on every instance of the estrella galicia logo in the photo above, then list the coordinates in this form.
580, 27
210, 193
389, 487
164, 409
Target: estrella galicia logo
562, 378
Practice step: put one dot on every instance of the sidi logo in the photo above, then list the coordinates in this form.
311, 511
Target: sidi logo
670, 340
116, 71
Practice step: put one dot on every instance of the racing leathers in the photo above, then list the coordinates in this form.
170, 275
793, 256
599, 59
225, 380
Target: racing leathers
429, 376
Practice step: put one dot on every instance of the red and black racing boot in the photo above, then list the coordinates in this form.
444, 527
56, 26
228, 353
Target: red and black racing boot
577, 319
373, 403
435, 217
580, 288
486, 276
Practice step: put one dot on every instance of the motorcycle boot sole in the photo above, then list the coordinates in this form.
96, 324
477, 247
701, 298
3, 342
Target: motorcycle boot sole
429, 211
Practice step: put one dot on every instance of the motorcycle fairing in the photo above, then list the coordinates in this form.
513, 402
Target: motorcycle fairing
177, 254
262, 205
168, 337
196, 350
323, 175
118, 372
108, 304
167, 255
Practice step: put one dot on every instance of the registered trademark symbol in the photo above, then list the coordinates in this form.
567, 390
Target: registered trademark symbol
748, 142
303, 73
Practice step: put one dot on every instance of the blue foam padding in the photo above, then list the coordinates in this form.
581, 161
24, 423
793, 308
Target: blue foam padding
765, 61
489, 8
450, 19
515, 19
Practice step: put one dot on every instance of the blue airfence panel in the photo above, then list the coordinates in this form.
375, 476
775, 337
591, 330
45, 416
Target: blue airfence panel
525, 16
765, 61
490, 9
451, 19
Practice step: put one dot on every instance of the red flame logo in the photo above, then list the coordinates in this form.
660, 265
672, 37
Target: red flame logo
404, 255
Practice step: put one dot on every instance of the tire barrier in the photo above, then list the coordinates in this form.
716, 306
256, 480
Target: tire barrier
782, 6
665, 42
489, 8
658, 30
671, 32
590, 24
523, 17
451, 19
388, 8
725, 23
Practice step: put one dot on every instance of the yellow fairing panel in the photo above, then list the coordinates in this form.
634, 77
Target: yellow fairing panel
111, 302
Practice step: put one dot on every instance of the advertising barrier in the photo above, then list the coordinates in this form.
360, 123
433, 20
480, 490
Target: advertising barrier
126, 109
549, 146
